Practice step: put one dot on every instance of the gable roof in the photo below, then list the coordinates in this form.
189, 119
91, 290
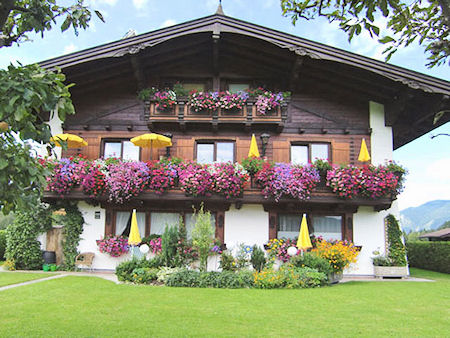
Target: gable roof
218, 23
443, 233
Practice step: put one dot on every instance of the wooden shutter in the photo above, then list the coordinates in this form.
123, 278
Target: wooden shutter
184, 149
242, 148
281, 151
340, 153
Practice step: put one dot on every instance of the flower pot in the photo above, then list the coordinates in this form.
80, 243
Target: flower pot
391, 271
335, 277
53, 267
46, 267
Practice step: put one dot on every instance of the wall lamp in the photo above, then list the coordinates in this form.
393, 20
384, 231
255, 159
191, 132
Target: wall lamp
265, 141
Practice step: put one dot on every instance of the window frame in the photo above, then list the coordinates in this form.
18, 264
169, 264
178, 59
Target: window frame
309, 146
309, 219
197, 142
116, 140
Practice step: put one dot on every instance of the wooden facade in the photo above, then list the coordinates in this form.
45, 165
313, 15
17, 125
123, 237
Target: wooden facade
331, 90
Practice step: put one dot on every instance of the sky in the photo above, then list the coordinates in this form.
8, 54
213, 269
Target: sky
427, 160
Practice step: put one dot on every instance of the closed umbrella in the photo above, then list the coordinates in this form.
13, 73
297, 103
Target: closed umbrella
363, 152
253, 151
304, 242
151, 141
73, 141
135, 238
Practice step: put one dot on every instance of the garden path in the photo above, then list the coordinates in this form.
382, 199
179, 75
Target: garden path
105, 275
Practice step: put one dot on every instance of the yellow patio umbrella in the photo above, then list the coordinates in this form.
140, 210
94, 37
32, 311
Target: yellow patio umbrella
73, 141
253, 151
134, 238
151, 141
304, 242
364, 152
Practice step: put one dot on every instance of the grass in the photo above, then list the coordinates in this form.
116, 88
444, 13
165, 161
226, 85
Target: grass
87, 306
8, 278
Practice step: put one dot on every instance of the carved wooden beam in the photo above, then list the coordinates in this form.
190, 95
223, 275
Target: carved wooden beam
295, 72
138, 72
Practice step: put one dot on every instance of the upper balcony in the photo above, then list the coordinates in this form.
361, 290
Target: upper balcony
183, 113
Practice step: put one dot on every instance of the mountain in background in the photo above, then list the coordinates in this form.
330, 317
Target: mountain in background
428, 216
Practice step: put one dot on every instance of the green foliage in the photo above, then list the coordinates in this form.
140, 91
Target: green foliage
252, 164
397, 251
2, 244
144, 275
289, 277
431, 255
21, 243
146, 93
423, 22
213, 279
6, 220
21, 17
227, 262
258, 258
180, 90
202, 236
124, 270
311, 260
72, 230
169, 243
382, 261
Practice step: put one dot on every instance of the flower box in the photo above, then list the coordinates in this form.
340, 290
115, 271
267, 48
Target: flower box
391, 271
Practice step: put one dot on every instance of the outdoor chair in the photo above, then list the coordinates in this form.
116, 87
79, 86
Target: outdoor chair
85, 259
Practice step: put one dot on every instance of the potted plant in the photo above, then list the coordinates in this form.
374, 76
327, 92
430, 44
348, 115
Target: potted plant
393, 264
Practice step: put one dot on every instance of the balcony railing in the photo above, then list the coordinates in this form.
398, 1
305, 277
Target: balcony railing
182, 113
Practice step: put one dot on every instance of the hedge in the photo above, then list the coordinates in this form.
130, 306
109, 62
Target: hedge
2, 244
429, 255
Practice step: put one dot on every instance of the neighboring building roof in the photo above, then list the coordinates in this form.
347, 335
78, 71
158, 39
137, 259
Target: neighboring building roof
437, 234
218, 23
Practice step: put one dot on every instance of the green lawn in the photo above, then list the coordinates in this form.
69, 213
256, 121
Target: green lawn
8, 278
87, 306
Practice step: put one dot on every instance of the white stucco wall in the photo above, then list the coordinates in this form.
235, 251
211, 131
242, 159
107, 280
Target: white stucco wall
55, 124
94, 229
248, 225
381, 139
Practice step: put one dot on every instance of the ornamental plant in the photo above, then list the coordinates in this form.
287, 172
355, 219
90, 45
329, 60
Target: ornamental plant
285, 179
277, 248
228, 179
115, 246
67, 173
340, 254
267, 100
204, 100
93, 182
126, 180
155, 245
165, 99
195, 179
227, 100
162, 176
253, 164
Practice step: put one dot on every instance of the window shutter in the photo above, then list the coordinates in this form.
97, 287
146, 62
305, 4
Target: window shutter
340, 153
185, 148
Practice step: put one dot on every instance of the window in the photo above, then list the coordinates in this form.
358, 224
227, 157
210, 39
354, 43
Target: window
159, 221
307, 153
200, 87
237, 87
208, 152
328, 227
123, 223
122, 149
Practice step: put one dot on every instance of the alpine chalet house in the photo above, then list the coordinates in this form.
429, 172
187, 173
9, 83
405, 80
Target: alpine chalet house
337, 99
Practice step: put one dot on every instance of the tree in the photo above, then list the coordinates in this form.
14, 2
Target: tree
202, 236
427, 21
29, 94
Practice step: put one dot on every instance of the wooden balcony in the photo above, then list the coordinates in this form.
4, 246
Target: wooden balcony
182, 113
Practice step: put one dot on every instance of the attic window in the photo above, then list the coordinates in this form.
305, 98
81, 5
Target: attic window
237, 87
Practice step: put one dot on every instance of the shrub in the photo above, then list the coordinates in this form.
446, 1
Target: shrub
2, 244
202, 236
22, 247
169, 241
184, 278
289, 277
165, 272
72, 230
340, 254
429, 255
227, 262
313, 261
212, 279
124, 270
258, 259
397, 252
144, 275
